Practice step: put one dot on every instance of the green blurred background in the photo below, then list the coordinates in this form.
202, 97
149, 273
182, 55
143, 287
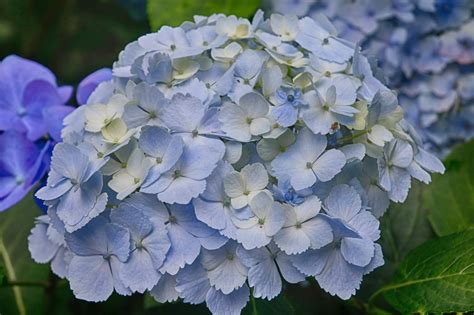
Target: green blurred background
71, 37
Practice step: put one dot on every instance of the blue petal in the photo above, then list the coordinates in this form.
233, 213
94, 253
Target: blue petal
165, 290
138, 272
90, 278
285, 115
193, 284
230, 304
357, 251
339, 277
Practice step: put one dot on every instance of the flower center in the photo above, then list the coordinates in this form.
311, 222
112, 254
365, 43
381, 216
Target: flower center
21, 111
172, 219
177, 174
19, 180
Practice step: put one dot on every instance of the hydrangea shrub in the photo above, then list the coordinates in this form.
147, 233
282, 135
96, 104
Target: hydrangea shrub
226, 158
426, 51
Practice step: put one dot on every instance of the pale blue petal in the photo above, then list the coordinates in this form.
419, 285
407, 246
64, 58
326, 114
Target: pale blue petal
253, 237
285, 115
63, 153
90, 240
311, 262
225, 270
429, 162
118, 283
192, 284
287, 270
182, 190
263, 275
339, 277
329, 164
60, 262
376, 261
150, 206
184, 113
41, 248
211, 213
214, 241
165, 290
366, 225
158, 143
90, 278
230, 304
184, 249
135, 221
118, 241
54, 192
400, 184
138, 272
318, 231
343, 202
357, 251
292, 240
199, 162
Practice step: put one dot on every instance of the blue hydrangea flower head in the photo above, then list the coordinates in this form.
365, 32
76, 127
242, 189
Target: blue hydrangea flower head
22, 165
426, 51
225, 158
32, 110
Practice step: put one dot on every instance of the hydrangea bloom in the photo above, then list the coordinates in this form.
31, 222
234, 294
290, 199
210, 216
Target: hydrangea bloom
32, 109
226, 157
426, 51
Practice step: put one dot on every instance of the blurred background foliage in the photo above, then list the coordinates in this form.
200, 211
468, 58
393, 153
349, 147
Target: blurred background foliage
71, 37
74, 38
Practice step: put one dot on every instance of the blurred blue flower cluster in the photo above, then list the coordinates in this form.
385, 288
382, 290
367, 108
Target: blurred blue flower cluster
426, 51
32, 108
224, 158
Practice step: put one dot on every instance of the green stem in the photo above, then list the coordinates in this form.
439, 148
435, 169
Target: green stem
371, 303
352, 137
42, 284
367, 309
10, 273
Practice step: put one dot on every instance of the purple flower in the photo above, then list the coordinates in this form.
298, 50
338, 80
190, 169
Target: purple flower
21, 166
28, 96
89, 83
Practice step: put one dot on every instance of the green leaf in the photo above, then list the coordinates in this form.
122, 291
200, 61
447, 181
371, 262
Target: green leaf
175, 12
15, 226
450, 197
436, 277
405, 225
277, 306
